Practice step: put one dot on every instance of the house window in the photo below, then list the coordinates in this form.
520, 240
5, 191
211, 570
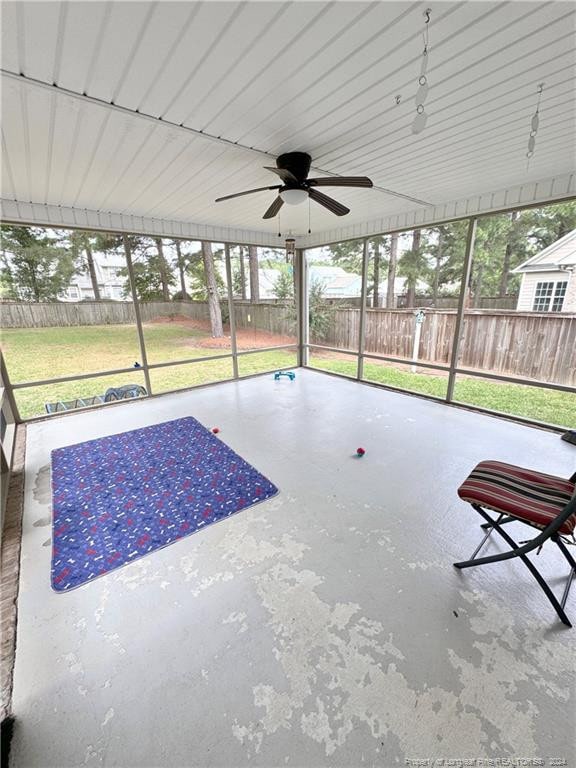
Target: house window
549, 296
109, 273
71, 293
559, 294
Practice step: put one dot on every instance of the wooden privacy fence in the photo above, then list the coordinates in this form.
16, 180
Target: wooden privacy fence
530, 345
275, 319
265, 316
451, 302
59, 315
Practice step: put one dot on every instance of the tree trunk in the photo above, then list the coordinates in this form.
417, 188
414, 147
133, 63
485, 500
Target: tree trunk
212, 288
562, 230
34, 283
439, 250
242, 272
503, 290
478, 286
91, 268
376, 283
254, 284
392, 271
162, 269
413, 279
181, 270
128, 257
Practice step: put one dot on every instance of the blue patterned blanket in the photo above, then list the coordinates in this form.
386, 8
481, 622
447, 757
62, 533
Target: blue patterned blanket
120, 497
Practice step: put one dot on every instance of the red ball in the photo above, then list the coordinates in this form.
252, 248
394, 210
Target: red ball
215, 430
360, 451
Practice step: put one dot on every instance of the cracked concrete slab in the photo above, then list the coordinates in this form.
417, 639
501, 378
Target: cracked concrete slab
325, 627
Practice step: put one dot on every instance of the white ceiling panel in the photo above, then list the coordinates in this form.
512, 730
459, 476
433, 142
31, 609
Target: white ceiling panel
149, 111
11, 30
37, 60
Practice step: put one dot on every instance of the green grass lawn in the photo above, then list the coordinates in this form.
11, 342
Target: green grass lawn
44, 353
544, 405
41, 353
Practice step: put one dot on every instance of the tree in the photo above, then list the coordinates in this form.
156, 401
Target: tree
83, 245
163, 270
152, 275
181, 266
34, 266
511, 247
241, 274
284, 285
82, 242
413, 265
392, 264
438, 259
349, 256
197, 277
446, 248
492, 238
320, 313
548, 224
254, 282
376, 274
212, 288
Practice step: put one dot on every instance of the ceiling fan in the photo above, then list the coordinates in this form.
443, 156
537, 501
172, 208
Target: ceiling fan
293, 169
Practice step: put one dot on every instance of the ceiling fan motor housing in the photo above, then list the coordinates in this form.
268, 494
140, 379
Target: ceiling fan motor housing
298, 163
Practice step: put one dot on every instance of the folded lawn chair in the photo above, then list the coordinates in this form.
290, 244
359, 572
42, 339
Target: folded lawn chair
542, 501
124, 392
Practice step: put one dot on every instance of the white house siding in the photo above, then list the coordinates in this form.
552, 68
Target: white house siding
570, 300
531, 279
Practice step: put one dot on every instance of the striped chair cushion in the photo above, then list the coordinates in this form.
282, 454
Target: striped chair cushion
531, 496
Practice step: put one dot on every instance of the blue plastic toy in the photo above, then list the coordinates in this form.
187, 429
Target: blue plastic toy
290, 374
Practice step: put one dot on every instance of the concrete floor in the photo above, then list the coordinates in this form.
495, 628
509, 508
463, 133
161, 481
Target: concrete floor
325, 627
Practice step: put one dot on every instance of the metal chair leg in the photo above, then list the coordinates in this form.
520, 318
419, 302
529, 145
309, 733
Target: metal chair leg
489, 527
562, 547
506, 556
502, 522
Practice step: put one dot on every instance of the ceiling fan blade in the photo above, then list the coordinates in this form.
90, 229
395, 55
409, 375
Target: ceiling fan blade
274, 208
285, 175
248, 192
333, 205
341, 181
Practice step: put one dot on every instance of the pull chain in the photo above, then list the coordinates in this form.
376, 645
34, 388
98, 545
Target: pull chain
309, 230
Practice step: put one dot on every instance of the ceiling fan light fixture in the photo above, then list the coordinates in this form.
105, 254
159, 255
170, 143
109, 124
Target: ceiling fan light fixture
294, 196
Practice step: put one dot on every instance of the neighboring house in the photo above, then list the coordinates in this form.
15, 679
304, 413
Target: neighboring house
335, 282
400, 289
111, 286
549, 278
339, 284
267, 280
